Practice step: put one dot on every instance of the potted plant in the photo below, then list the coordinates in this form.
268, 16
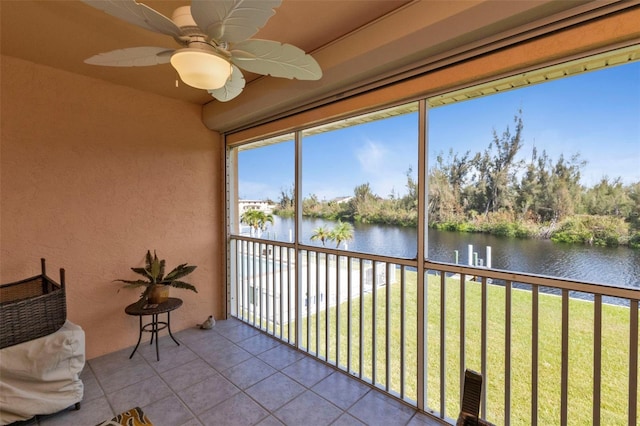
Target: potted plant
156, 283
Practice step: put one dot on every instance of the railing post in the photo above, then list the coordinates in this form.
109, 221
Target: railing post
387, 317
534, 354
597, 358
483, 344
349, 313
507, 351
443, 345
633, 362
403, 307
374, 317
564, 378
463, 332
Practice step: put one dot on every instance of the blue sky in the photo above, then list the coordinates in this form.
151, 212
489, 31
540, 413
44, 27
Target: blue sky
595, 114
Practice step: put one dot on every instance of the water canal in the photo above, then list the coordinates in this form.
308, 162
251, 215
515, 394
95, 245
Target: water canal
619, 266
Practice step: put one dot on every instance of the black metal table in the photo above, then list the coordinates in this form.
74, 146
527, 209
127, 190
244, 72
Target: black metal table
137, 309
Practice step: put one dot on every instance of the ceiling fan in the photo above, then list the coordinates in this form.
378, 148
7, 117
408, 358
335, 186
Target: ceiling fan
215, 39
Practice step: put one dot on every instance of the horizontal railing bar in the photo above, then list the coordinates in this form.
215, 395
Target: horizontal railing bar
262, 240
334, 251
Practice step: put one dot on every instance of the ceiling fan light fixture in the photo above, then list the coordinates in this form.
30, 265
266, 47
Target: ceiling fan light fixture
201, 69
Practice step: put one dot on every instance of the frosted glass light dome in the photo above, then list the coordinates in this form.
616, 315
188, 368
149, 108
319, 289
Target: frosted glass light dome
201, 69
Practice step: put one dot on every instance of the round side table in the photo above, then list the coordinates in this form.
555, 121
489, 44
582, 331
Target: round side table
136, 309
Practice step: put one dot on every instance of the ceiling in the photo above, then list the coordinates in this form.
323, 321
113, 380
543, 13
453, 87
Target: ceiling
354, 41
61, 34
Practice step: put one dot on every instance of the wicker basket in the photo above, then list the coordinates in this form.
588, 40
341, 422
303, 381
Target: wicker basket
31, 308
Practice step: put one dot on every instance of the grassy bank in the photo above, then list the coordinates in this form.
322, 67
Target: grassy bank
615, 349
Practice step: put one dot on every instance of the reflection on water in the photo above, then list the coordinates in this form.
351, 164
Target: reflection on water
605, 265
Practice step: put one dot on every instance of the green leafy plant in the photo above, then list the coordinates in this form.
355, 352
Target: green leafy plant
153, 272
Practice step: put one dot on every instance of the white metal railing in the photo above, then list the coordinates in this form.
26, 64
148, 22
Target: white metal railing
551, 351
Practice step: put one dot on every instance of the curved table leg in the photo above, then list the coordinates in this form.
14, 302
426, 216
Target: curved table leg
139, 338
169, 328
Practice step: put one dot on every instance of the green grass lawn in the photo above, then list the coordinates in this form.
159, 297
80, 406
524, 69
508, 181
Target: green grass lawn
615, 349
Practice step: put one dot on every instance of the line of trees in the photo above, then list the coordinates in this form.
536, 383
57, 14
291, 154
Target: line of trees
496, 191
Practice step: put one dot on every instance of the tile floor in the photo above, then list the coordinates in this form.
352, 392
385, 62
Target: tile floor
230, 375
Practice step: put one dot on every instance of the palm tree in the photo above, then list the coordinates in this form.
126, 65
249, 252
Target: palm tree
265, 219
342, 232
321, 233
256, 219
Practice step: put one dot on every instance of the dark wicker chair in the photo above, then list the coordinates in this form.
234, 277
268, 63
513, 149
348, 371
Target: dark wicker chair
31, 308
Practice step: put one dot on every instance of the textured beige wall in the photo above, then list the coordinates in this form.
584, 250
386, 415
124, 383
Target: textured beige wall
93, 175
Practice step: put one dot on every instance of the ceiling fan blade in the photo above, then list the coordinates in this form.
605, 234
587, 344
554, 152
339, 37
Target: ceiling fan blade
232, 88
137, 14
275, 59
232, 20
132, 57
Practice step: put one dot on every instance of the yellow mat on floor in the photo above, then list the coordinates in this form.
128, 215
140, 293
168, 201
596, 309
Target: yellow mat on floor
133, 417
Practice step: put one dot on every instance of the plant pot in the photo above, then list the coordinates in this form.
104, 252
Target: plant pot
159, 293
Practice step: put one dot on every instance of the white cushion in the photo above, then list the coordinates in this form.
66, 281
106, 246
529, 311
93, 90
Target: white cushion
42, 376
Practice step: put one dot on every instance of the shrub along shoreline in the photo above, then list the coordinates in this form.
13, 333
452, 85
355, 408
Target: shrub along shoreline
605, 231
